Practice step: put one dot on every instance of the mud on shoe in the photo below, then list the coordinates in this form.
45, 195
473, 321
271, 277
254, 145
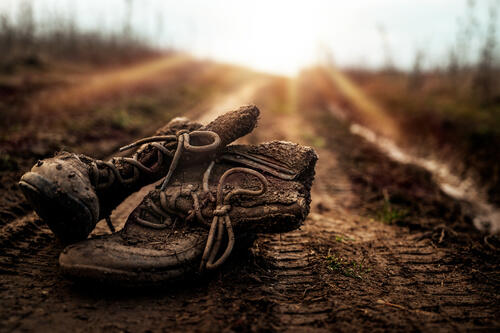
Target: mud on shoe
192, 226
72, 192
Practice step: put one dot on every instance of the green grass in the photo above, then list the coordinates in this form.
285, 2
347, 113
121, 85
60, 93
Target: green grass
342, 239
348, 268
314, 140
121, 119
390, 214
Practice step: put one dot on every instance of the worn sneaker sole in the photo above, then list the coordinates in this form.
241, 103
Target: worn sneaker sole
108, 261
111, 260
89, 273
61, 210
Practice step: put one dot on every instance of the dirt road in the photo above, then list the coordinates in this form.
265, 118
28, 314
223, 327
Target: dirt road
346, 269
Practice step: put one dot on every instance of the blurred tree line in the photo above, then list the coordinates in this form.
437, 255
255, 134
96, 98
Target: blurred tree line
26, 42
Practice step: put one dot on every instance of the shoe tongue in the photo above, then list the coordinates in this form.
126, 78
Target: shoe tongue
234, 124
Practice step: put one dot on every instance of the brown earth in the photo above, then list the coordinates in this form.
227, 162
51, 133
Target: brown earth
383, 247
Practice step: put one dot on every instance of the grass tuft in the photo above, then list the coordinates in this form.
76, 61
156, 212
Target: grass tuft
314, 140
342, 239
349, 268
390, 214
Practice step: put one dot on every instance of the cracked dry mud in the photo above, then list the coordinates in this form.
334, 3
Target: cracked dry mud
303, 280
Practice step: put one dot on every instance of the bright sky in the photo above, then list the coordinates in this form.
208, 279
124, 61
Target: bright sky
280, 35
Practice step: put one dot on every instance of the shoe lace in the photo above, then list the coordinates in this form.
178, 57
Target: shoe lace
221, 222
181, 140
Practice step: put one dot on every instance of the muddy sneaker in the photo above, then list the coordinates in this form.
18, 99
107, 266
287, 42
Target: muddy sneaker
73, 192
193, 225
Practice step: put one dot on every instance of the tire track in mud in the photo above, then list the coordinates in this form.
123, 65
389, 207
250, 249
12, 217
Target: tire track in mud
300, 303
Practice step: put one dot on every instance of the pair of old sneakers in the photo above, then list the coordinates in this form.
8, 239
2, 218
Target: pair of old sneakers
213, 197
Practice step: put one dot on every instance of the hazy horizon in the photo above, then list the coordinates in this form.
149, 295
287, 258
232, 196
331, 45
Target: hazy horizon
279, 36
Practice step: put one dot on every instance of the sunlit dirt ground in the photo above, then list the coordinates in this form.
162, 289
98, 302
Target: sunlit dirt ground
383, 246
